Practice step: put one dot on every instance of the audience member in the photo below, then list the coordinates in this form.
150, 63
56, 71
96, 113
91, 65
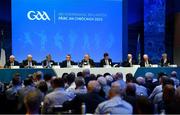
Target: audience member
57, 97
143, 106
115, 104
149, 82
80, 86
103, 82
91, 99
140, 89
174, 76
32, 102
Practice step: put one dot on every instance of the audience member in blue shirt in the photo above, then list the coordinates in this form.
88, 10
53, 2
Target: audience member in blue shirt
115, 105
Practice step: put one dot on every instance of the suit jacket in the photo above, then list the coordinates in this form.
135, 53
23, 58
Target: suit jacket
164, 64
91, 62
142, 64
44, 63
64, 63
102, 62
8, 64
91, 101
25, 63
127, 64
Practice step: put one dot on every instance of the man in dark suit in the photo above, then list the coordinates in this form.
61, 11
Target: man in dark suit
106, 60
68, 62
48, 62
164, 60
87, 61
145, 61
129, 62
29, 62
11, 62
90, 99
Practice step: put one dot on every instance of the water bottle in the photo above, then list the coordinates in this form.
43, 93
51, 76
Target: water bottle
83, 108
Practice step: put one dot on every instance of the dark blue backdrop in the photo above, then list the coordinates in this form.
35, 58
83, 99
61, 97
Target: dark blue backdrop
136, 13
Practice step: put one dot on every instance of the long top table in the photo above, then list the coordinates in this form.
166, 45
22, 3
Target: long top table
7, 74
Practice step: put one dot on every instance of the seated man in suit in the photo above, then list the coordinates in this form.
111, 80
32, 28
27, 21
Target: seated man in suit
29, 62
106, 60
145, 61
48, 62
129, 62
68, 62
164, 60
11, 62
87, 61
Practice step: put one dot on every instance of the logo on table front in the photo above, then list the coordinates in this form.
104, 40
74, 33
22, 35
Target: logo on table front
38, 15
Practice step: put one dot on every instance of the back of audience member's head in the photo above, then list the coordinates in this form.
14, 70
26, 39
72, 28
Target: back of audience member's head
168, 93
160, 75
71, 78
118, 76
38, 75
167, 81
114, 91
28, 81
86, 73
109, 79
92, 77
140, 80
94, 86
64, 77
42, 86
79, 74
131, 89
130, 78
79, 82
16, 80
47, 77
174, 74
98, 75
57, 83
149, 77
143, 105
102, 81
32, 101
106, 74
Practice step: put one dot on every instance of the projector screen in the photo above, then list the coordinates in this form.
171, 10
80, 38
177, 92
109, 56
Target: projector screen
60, 27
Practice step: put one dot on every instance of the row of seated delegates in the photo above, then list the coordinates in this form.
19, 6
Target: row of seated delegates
145, 62
87, 61
48, 62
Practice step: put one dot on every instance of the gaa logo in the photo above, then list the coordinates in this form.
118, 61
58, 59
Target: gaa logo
37, 15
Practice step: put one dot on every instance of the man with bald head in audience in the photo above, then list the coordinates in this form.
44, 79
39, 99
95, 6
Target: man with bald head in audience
90, 99
115, 104
11, 62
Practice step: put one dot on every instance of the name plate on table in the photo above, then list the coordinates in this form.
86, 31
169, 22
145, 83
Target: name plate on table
14, 67
39, 66
154, 65
136, 66
107, 66
86, 66
56, 67
74, 66
172, 65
